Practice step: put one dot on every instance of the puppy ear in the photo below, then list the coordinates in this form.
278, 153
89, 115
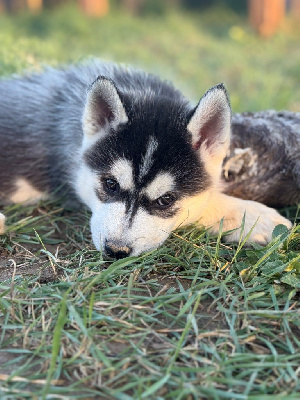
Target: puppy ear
210, 123
103, 107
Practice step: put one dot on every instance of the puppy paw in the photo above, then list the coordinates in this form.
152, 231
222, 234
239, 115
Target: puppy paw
2, 223
260, 220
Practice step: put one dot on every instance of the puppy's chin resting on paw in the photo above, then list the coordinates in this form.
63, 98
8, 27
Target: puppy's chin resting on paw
2, 223
131, 147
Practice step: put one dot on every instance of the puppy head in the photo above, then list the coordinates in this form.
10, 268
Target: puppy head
146, 158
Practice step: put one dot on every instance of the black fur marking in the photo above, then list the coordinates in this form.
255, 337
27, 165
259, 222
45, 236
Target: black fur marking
165, 120
134, 201
154, 209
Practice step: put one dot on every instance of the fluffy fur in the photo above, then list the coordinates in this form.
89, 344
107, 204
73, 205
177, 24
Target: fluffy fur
129, 146
263, 163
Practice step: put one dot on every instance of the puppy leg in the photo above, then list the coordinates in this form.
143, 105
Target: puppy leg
2, 223
232, 210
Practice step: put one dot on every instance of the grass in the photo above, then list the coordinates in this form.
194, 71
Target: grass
195, 319
195, 51
190, 320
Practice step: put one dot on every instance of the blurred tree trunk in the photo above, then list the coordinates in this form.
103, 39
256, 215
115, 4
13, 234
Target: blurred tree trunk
133, 6
295, 8
266, 15
20, 5
52, 3
35, 5
12, 5
95, 8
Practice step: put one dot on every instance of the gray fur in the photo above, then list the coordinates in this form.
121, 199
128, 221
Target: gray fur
40, 121
269, 170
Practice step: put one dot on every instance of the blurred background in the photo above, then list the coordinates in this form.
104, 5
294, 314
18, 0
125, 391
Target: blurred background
252, 46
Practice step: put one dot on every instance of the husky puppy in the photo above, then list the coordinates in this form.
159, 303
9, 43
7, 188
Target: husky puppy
129, 146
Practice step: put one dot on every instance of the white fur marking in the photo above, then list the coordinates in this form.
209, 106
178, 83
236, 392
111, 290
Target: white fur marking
161, 184
146, 232
148, 157
89, 140
86, 183
26, 193
2, 223
123, 172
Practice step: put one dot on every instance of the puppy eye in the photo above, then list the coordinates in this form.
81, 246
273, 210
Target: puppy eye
111, 185
166, 200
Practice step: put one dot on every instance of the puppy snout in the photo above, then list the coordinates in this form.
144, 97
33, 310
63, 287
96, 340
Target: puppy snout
116, 250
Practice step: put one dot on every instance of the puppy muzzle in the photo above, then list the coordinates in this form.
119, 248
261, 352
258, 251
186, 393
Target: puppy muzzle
116, 250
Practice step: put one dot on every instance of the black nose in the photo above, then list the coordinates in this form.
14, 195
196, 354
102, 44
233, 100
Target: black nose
116, 251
